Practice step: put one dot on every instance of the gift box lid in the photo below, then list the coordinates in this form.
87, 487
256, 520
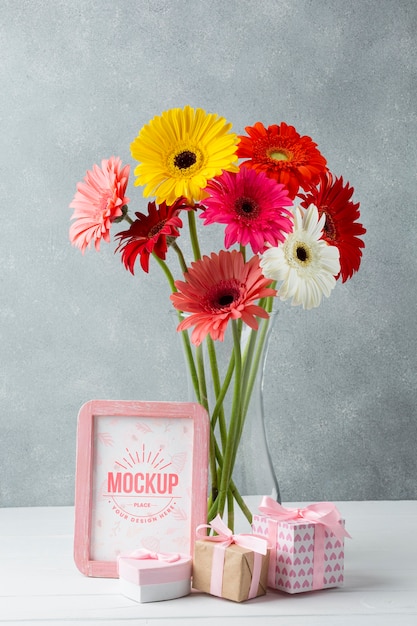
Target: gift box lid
149, 568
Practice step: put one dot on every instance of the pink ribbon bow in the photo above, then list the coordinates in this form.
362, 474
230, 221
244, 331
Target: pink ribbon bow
324, 513
146, 554
224, 539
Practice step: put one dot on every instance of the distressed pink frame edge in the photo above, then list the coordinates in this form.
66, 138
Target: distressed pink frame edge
84, 469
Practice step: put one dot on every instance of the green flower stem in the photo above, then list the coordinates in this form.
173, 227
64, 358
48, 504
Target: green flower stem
219, 390
193, 235
181, 258
253, 369
234, 424
262, 334
213, 468
250, 365
204, 402
230, 510
217, 416
167, 272
241, 503
249, 371
213, 504
185, 338
191, 365
246, 371
219, 461
218, 408
233, 490
125, 216
201, 377
219, 402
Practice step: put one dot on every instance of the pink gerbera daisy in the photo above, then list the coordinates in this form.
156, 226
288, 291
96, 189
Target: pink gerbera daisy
98, 202
219, 288
148, 233
251, 204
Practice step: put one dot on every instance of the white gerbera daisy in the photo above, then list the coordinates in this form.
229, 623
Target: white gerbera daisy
305, 264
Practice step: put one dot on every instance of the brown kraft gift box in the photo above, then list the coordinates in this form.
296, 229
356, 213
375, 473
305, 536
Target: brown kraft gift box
236, 577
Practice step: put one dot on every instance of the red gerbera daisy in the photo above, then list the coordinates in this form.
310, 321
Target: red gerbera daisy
218, 288
251, 204
98, 202
341, 229
149, 233
283, 154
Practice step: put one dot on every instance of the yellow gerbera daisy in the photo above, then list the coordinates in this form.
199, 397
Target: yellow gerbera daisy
180, 150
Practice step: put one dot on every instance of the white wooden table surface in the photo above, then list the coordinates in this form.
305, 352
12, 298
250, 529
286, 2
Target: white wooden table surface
39, 583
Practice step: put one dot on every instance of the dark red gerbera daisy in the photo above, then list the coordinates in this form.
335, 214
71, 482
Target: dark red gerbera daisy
333, 198
282, 153
148, 233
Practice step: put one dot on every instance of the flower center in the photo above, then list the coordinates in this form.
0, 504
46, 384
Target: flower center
104, 203
185, 159
222, 295
246, 207
302, 254
329, 229
226, 299
279, 155
156, 228
298, 254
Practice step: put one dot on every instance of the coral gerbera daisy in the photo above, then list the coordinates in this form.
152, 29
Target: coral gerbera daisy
341, 229
281, 152
180, 150
219, 288
305, 263
251, 204
148, 233
98, 202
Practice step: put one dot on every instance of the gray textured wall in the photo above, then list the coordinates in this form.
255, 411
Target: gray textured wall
78, 81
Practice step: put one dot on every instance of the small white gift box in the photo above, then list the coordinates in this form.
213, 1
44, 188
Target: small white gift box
151, 577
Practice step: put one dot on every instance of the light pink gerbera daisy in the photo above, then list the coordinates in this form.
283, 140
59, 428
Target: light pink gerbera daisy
252, 206
98, 202
219, 288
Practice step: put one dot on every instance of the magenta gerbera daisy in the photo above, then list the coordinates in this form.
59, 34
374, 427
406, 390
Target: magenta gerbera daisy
219, 288
342, 229
148, 233
252, 207
98, 202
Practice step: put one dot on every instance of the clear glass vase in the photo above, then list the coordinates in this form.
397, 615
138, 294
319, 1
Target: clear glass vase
226, 377
254, 471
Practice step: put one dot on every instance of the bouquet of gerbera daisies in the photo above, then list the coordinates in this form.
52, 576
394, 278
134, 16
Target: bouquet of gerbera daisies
291, 231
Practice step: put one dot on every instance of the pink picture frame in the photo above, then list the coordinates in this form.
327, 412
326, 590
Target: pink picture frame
141, 480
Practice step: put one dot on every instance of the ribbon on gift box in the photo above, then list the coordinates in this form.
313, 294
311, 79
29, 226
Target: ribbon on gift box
225, 538
168, 557
323, 514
